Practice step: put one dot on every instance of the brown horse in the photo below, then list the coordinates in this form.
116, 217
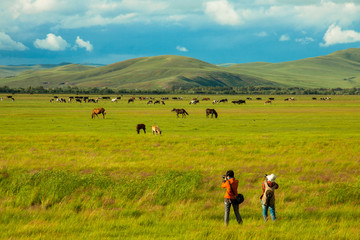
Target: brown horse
156, 130
212, 112
180, 111
97, 111
139, 127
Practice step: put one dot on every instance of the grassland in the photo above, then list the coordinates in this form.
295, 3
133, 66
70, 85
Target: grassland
64, 175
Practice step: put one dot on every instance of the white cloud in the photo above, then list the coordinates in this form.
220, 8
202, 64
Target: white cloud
94, 20
182, 49
262, 34
335, 35
223, 12
305, 40
309, 14
21, 7
327, 12
145, 5
84, 44
284, 37
6, 43
52, 43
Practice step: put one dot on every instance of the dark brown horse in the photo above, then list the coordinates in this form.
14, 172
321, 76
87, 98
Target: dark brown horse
139, 127
212, 112
180, 111
97, 111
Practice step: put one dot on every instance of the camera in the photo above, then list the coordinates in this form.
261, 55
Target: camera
224, 176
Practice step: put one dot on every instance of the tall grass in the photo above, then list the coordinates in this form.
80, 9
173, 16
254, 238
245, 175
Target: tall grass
65, 175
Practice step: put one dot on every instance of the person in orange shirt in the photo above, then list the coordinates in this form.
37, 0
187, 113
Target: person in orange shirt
231, 185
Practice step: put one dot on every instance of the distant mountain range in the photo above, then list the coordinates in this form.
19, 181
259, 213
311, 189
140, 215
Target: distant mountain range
339, 69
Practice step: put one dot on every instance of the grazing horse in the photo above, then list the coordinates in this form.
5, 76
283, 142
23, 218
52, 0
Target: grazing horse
139, 127
194, 101
131, 100
180, 111
212, 112
239, 102
156, 130
267, 102
97, 111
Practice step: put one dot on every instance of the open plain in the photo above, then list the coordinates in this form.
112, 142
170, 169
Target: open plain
64, 175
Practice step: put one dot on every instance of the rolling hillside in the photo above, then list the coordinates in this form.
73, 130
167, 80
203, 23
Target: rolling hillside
11, 71
161, 72
339, 69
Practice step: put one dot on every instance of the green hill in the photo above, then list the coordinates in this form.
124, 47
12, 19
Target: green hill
12, 70
339, 69
161, 72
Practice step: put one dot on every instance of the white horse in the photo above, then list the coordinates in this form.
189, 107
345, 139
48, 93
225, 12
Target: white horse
114, 100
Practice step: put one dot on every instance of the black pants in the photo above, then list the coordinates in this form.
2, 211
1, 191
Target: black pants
227, 211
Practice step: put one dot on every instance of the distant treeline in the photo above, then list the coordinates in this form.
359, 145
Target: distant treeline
199, 90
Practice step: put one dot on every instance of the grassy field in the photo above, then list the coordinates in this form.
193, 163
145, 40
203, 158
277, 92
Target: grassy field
64, 175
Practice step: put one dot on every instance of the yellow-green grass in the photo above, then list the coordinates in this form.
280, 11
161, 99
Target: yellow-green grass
64, 175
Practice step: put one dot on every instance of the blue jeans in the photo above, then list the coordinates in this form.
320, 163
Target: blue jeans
265, 211
227, 211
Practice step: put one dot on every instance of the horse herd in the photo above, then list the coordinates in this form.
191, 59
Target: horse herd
155, 129
183, 112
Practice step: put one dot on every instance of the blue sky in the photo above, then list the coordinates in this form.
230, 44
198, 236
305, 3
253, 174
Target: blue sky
215, 31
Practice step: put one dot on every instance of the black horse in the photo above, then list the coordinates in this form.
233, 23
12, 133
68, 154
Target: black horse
139, 127
180, 111
212, 112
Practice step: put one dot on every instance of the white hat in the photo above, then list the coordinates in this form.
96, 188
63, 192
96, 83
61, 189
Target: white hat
271, 177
